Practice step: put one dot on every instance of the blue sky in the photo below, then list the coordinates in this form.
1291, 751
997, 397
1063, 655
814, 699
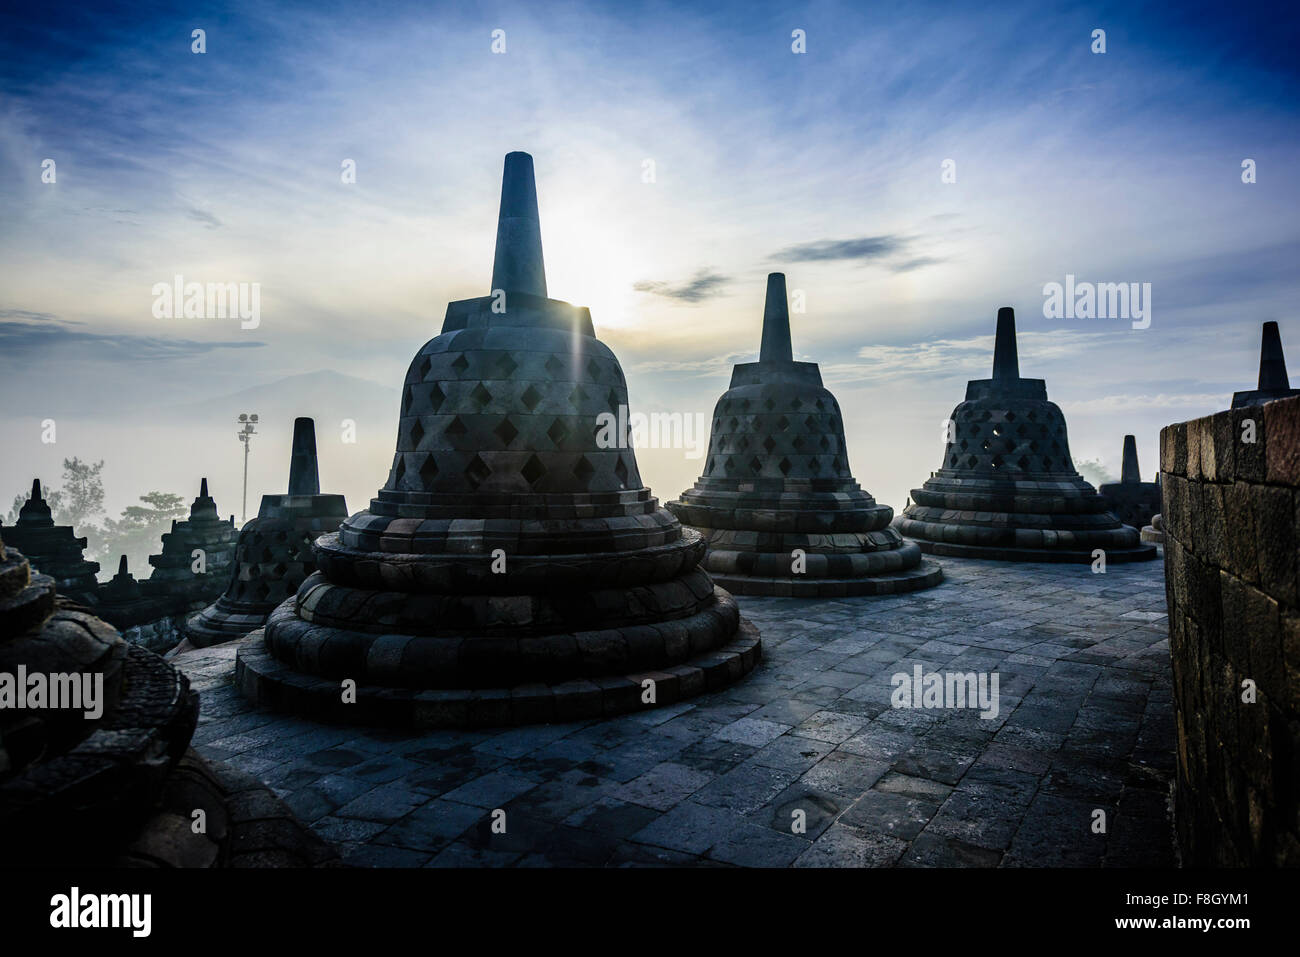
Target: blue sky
224, 167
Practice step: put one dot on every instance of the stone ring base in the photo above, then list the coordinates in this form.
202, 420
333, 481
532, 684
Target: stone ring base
1007, 553
267, 682
924, 575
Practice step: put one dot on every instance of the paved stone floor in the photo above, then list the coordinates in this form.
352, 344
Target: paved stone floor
1085, 724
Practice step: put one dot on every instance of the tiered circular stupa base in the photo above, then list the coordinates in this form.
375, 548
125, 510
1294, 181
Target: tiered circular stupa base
1022, 519
443, 640
1155, 532
842, 540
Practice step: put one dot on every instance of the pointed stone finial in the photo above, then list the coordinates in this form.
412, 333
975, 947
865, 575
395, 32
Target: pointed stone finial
304, 479
1129, 471
121, 566
203, 489
776, 322
518, 266
35, 511
1272, 363
1006, 362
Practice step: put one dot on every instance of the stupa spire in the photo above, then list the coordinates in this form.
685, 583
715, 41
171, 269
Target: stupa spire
1129, 471
1272, 363
203, 489
304, 479
776, 322
1006, 361
518, 266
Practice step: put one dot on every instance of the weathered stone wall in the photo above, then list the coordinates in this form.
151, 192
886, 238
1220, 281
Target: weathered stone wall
1232, 529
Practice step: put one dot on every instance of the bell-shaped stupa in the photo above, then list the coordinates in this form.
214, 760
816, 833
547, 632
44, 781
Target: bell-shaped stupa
273, 555
196, 556
53, 550
1273, 381
1132, 500
1008, 489
514, 568
777, 502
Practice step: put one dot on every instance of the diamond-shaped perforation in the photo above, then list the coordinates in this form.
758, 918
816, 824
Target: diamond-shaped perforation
506, 366
428, 470
399, 470
577, 396
797, 404
530, 398
480, 394
477, 471
423, 369
755, 465
613, 400
417, 433
583, 469
455, 427
406, 400
533, 470
621, 470
461, 364
506, 431
814, 465
769, 443
558, 432
783, 423
785, 465
593, 369
554, 365
436, 397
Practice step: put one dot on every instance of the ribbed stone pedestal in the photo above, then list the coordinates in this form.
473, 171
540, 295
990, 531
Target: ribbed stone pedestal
777, 503
1155, 532
513, 569
274, 553
1008, 489
75, 789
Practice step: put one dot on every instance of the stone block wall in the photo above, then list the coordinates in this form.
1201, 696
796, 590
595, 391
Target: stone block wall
1232, 530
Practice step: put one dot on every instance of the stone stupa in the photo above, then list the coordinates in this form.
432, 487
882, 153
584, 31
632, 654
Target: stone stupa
1132, 500
205, 531
1007, 488
273, 555
777, 502
512, 569
53, 550
107, 779
1273, 381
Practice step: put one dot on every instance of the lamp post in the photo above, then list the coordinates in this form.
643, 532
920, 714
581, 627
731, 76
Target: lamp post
249, 423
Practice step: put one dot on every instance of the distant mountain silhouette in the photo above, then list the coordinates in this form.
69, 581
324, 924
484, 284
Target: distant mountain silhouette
326, 395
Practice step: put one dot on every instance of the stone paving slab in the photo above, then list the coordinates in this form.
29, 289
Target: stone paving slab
804, 763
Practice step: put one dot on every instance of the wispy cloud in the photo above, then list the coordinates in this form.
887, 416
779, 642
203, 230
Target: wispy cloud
864, 249
203, 216
706, 284
22, 341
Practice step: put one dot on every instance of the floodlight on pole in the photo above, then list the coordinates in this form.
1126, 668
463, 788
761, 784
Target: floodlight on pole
249, 423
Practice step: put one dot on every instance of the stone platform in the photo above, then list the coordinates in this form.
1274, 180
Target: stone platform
1085, 722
